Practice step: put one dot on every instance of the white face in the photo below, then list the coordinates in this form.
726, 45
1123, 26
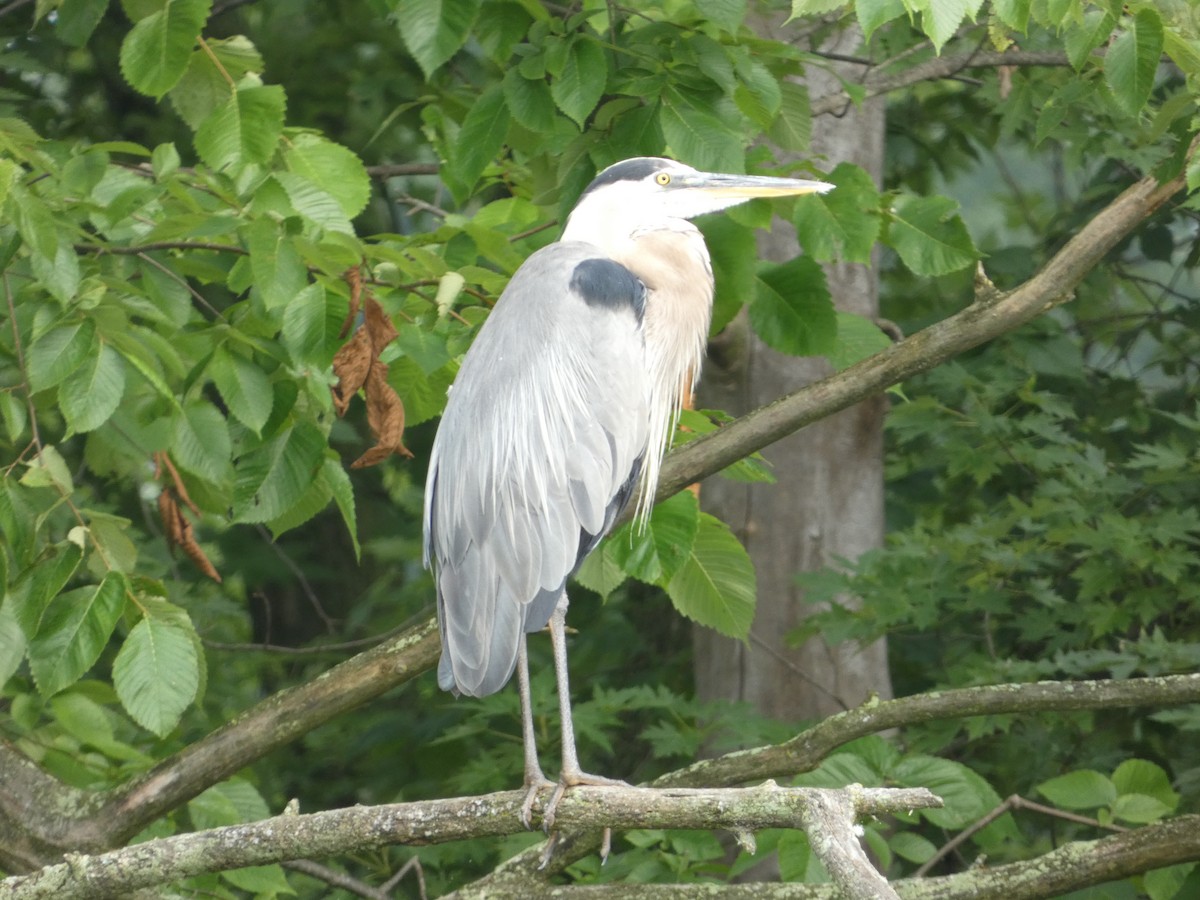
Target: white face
668, 194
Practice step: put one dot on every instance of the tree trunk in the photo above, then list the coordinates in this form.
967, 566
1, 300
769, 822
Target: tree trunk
828, 502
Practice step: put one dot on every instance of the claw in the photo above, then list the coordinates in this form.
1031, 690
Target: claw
532, 786
573, 779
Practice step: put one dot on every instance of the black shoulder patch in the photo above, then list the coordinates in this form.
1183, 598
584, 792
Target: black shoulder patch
602, 282
628, 170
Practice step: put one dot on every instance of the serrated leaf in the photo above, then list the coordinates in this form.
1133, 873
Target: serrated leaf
699, 137
40, 584
156, 673
792, 128
728, 14
1139, 776
156, 51
1082, 789
343, 495
434, 30
91, 394
12, 642
967, 796
1080, 41
655, 553
205, 84
601, 571
331, 167
940, 19
279, 272
77, 19
734, 258
73, 632
930, 238
59, 274
244, 129
529, 100
1132, 60
481, 136
844, 221
59, 352
792, 310
262, 881
911, 846
314, 203
580, 85
272, 478
874, 13
857, 338
244, 388
310, 326
200, 442
1013, 13
716, 585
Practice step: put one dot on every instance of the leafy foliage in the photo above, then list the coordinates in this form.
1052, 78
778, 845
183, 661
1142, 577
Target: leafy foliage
178, 227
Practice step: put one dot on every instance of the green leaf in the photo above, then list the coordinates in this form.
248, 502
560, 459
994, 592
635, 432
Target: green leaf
967, 796
715, 586
1132, 60
91, 394
243, 387
332, 168
911, 846
815, 7
156, 51
434, 30
1138, 776
845, 221
874, 13
1013, 13
59, 275
279, 272
481, 136
1168, 883
59, 352
726, 14
39, 585
940, 19
1082, 789
311, 324
929, 237
698, 136
228, 803
734, 258
206, 83
272, 478
1080, 41
1139, 809
792, 310
579, 87
601, 571
857, 338
340, 485
244, 129
792, 128
157, 673
200, 442
654, 554
12, 642
529, 100
77, 19
73, 632
262, 881
314, 203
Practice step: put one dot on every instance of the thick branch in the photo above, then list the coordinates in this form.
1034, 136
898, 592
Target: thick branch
360, 828
1069, 868
806, 750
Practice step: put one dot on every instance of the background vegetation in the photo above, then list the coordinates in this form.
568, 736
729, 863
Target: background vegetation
199, 199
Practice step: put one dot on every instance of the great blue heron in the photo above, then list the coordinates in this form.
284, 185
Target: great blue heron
561, 412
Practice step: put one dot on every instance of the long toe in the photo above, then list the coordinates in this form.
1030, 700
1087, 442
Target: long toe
532, 786
569, 779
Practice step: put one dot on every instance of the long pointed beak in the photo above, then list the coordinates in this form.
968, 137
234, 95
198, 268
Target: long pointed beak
749, 186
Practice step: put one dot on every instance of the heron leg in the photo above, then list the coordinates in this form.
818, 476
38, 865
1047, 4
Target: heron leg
535, 780
571, 775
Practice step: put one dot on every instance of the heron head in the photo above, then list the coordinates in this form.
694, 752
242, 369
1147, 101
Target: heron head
647, 191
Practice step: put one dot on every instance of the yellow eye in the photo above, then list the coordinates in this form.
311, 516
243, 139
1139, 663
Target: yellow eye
663, 178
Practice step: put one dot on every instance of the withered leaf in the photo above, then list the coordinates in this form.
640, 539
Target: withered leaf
177, 529
351, 364
379, 326
385, 416
352, 277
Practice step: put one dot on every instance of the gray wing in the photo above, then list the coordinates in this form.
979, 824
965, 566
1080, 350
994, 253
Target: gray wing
538, 450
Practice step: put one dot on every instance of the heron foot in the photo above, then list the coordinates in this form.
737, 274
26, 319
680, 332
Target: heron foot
532, 786
569, 780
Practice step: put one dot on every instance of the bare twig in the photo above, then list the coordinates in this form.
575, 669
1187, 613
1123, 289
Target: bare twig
334, 878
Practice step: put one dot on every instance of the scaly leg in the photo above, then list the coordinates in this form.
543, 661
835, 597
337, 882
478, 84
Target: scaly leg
571, 774
535, 780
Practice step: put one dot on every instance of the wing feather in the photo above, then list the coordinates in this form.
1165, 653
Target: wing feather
538, 450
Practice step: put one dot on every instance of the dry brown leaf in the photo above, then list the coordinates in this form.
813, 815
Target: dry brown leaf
385, 415
351, 364
379, 326
177, 528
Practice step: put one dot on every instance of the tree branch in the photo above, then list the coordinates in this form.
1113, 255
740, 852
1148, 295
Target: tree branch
978, 323
361, 828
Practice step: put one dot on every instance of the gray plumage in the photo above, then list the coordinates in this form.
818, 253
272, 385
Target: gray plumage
536, 455
560, 414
